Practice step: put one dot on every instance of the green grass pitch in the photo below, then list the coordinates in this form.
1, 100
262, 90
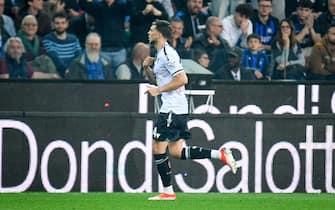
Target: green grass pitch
185, 201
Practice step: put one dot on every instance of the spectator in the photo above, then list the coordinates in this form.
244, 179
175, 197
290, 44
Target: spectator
322, 63
255, 59
35, 53
81, 26
90, 65
233, 69
14, 64
201, 57
288, 57
211, 42
35, 7
238, 26
264, 24
325, 19
7, 28
109, 17
181, 44
223, 8
303, 23
132, 69
62, 47
143, 13
32, 42
194, 19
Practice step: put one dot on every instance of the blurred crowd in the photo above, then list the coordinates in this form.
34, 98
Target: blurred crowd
107, 39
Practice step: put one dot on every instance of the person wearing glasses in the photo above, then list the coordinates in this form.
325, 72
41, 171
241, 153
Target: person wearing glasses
35, 7
31, 41
211, 42
289, 61
264, 24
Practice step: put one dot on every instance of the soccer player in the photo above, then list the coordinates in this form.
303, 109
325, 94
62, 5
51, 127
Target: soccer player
171, 130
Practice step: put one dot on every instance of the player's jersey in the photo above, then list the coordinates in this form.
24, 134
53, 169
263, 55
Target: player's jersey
168, 64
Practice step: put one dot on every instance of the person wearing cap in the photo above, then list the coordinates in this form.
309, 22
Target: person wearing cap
303, 23
233, 70
322, 60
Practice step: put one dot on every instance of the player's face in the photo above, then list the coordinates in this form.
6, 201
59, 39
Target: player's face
153, 34
303, 13
264, 8
61, 25
254, 44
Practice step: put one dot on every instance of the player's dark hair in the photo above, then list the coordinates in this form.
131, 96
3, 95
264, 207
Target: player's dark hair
245, 10
164, 27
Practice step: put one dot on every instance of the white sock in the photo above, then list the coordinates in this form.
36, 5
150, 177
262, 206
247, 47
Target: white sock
215, 154
168, 190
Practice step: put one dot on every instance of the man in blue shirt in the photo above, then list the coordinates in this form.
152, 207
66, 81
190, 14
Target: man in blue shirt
264, 24
62, 47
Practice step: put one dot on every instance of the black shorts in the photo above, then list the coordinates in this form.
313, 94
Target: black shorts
171, 127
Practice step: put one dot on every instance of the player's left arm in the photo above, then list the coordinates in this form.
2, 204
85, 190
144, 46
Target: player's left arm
178, 80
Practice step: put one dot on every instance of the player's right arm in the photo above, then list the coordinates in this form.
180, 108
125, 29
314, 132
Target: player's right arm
147, 63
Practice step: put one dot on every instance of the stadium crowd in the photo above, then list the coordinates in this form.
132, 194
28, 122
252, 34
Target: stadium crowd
107, 39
